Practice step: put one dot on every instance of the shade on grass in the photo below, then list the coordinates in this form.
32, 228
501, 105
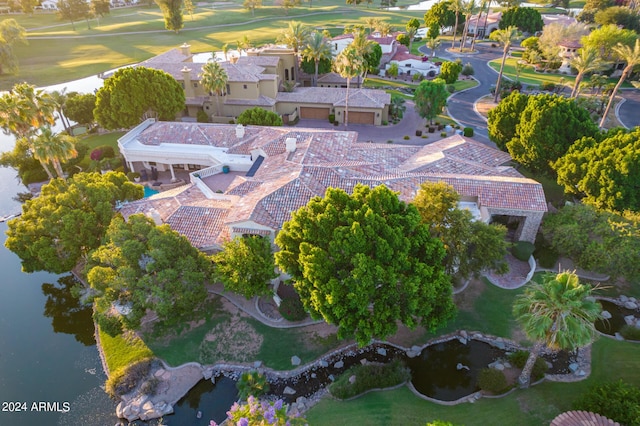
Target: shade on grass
535, 406
121, 351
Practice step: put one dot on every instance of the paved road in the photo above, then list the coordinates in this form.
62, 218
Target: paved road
629, 112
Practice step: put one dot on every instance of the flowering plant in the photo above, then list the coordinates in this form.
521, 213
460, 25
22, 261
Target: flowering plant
262, 413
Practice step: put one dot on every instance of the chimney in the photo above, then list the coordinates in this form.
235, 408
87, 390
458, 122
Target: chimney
186, 49
155, 215
290, 144
239, 131
186, 77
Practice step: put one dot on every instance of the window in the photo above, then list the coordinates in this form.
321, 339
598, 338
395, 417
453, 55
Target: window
195, 84
244, 86
228, 89
286, 74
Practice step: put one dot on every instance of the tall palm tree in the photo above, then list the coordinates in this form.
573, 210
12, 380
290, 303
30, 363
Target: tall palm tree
384, 28
588, 60
225, 51
214, 78
505, 37
54, 148
317, 49
411, 33
363, 47
295, 37
468, 8
486, 18
23, 110
456, 7
632, 58
433, 44
59, 97
371, 23
483, 4
348, 64
558, 314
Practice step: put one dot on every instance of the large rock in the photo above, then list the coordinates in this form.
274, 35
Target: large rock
352, 379
623, 298
338, 364
324, 364
156, 411
630, 305
295, 360
382, 351
289, 391
119, 409
207, 373
574, 367
497, 365
606, 315
630, 319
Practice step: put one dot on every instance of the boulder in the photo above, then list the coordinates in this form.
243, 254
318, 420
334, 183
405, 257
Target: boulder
630, 319
324, 364
618, 336
573, 367
119, 409
332, 377
159, 372
207, 373
352, 379
314, 375
412, 354
295, 360
463, 333
301, 400
499, 345
462, 340
496, 365
157, 410
289, 391
631, 305
338, 364
633, 299
623, 298
258, 364
364, 361
606, 315
382, 351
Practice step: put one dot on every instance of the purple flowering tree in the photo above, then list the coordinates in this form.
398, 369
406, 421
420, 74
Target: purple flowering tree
255, 412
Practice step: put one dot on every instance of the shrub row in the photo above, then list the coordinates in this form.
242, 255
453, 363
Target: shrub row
370, 376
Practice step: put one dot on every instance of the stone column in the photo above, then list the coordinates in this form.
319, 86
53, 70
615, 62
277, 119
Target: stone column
173, 175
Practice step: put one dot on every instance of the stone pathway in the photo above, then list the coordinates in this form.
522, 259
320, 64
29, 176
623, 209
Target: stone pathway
515, 278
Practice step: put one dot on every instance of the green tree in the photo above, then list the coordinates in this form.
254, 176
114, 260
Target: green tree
364, 262
348, 64
471, 246
558, 314
49, 147
132, 95
630, 56
384, 28
586, 61
503, 119
214, 79
245, 266
620, 16
449, 71
259, 117
74, 10
606, 38
143, 267
172, 12
324, 66
441, 15
316, 50
79, 108
433, 44
618, 401
505, 37
371, 22
433, 32
527, 19
59, 228
295, 37
27, 6
189, 7
549, 125
10, 33
252, 5
412, 26
430, 98
100, 8
606, 171
403, 39
288, 4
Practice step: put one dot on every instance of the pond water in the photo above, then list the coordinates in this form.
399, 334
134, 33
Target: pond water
613, 325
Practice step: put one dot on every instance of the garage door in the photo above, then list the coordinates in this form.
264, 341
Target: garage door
361, 117
314, 113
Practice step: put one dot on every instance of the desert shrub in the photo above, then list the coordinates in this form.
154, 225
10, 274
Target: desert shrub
468, 132
492, 380
252, 383
548, 86
443, 134
292, 310
418, 132
519, 359
451, 88
545, 254
124, 380
406, 137
417, 77
522, 250
618, 401
630, 332
370, 376
332, 118
467, 70
202, 117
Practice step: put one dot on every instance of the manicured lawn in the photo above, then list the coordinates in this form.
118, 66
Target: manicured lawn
122, 351
94, 141
611, 360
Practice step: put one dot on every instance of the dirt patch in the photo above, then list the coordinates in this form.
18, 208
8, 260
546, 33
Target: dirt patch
465, 301
231, 340
485, 104
406, 337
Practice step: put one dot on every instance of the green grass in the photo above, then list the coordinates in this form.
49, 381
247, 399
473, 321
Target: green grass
94, 141
538, 405
121, 351
464, 84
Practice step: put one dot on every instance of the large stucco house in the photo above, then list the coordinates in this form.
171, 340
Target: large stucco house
256, 80
272, 171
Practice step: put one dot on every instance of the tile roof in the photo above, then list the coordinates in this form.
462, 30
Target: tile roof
324, 158
363, 98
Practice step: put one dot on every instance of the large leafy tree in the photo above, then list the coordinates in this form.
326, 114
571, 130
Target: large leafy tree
349, 64
527, 19
606, 38
74, 10
252, 5
54, 148
295, 36
172, 12
624, 17
506, 37
10, 33
316, 50
549, 125
245, 265
412, 26
449, 71
440, 14
69, 219
558, 314
503, 119
605, 170
259, 117
364, 262
132, 95
146, 267
79, 107
214, 78
430, 98
586, 61
471, 246
631, 57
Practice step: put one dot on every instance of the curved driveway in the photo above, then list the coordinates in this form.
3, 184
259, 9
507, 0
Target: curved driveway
629, 111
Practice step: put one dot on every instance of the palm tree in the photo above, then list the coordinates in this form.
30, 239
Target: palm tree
59, 97
455, 6
348, 64
295, 37
54, 148
225, 51
486, 18
316, 50
475, 32
371, 23
214, 79
468, 8
433, 44
363, 47
384, 28
558, 314
411, 33
397, 106
588, 60
632, 58
24, 110
505, 37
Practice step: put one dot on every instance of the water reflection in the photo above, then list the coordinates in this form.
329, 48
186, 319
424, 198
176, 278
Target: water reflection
67, 314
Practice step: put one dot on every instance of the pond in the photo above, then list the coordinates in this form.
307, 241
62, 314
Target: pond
613, 325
